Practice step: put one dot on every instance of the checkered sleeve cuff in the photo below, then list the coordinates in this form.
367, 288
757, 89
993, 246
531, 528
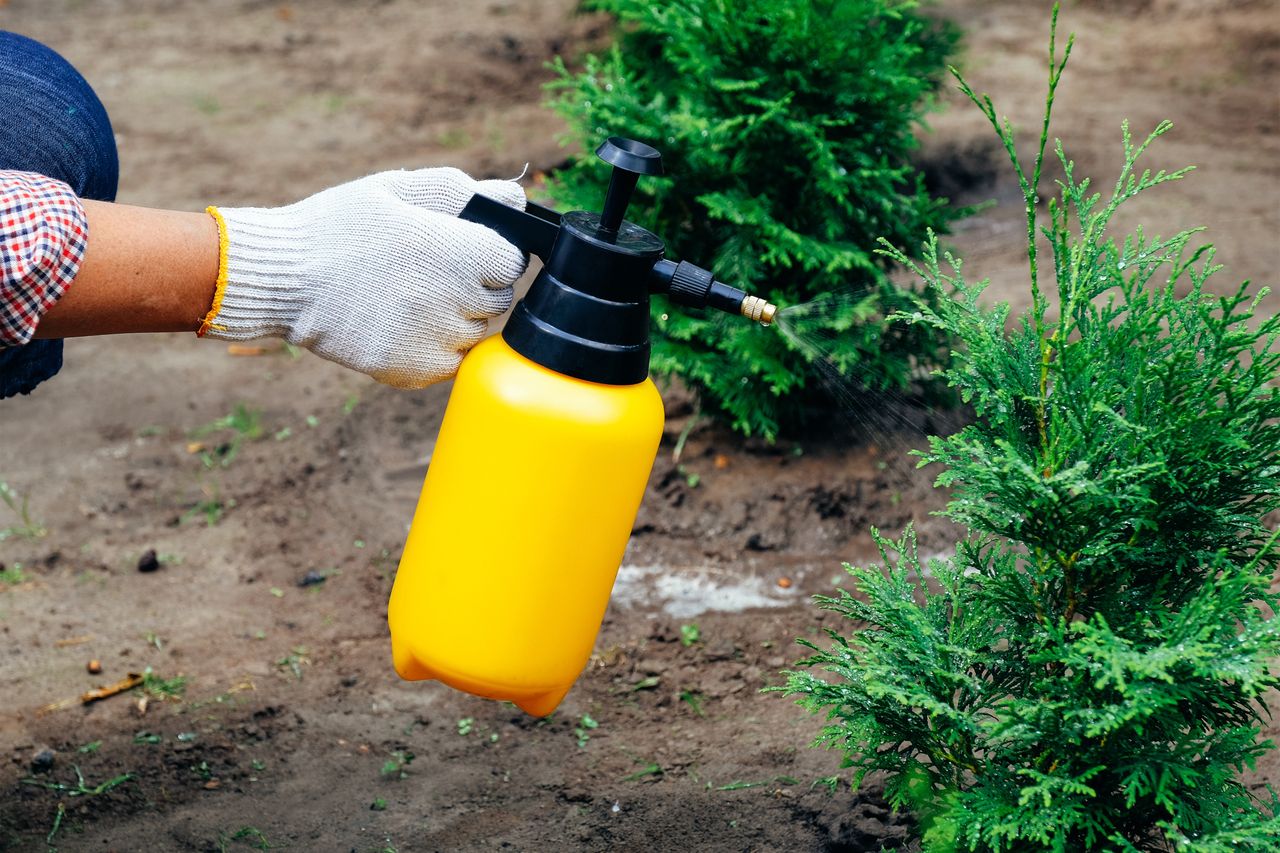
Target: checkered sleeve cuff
43, 234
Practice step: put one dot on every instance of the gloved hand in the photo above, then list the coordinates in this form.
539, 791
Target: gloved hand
378, 274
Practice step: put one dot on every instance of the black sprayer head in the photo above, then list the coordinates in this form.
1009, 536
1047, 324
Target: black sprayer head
587, 313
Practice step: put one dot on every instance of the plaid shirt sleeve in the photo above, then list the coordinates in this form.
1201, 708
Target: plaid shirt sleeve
43, 233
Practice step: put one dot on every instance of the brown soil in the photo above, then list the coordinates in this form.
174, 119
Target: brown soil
291, 708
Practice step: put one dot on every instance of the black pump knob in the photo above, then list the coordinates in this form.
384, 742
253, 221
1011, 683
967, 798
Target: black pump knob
631, 155
630, 159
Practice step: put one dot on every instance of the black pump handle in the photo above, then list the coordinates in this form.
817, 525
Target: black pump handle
535, 229
630, 159
532, 230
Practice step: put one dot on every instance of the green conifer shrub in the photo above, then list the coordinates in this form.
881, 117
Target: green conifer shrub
1088, 672
786, 128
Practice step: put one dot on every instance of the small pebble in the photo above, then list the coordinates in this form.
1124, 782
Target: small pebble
311, 578
94, 666
42, 761
785, 583
149, 561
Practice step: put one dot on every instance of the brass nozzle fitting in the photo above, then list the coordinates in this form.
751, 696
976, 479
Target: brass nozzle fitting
755, 308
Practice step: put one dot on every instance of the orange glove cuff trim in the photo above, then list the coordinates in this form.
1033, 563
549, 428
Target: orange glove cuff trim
220, 287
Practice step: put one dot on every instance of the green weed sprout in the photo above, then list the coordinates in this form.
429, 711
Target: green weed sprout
164, 689
397, 766
1090, 669
27, 527
13, 575
248, 835
586, 725
81, 788
294, 661
243, 423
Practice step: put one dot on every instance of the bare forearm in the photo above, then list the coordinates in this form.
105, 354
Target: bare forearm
144, 270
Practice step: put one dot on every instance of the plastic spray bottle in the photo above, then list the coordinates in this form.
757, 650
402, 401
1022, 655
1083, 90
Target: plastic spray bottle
541, 462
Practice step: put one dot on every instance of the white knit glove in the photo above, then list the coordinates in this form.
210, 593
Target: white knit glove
378, 274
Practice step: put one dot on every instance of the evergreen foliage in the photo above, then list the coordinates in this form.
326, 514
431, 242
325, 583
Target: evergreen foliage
785, 127
1090, 672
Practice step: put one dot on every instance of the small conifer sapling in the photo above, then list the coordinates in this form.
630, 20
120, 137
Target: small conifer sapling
787, 129
1088, 671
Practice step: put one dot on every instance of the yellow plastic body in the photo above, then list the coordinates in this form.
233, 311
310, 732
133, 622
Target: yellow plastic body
529, 500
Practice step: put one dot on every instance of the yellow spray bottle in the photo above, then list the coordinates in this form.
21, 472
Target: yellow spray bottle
542, 459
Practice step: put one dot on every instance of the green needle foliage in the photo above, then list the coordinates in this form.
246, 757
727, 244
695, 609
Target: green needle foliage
786, 128
1088, 672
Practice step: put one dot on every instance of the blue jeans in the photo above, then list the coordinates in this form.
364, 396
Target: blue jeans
51, 123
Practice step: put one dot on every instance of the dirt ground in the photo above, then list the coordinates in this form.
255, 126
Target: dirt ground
293, 726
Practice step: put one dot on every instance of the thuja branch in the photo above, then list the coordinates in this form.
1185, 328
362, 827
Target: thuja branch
1031, 197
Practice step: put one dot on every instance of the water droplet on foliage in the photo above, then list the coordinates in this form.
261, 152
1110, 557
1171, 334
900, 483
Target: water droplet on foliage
665, 317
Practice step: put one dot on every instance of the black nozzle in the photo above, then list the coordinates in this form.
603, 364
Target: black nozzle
690, 285
630, 159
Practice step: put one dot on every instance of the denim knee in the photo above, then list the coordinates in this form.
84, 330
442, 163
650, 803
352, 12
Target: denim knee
51, 123
54, 124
